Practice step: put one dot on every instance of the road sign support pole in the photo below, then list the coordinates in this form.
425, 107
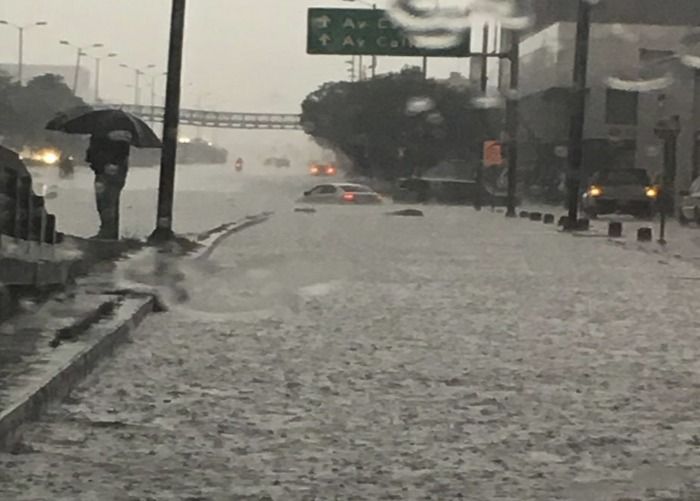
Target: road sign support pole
512, 122
478, 201
578, 115
166, 187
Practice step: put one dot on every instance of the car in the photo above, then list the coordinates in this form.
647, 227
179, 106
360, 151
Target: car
277, 162
341, 193
690, 204
323, 170
624, 191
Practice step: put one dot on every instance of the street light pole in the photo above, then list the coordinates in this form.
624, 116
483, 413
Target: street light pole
98, 61
137, 80
20, 56
81, 53
166, 186
512, 121
578, 114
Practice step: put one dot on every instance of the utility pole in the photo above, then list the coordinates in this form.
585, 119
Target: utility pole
20, 57
667, 130
425, 67
512, 121
166, 186
578, 111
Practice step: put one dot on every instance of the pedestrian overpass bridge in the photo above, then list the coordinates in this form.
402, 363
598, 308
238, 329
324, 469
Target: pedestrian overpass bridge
219, 119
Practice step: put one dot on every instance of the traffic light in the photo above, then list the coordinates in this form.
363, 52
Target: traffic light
351, 69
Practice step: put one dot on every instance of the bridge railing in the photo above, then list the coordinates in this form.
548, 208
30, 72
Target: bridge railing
218, 119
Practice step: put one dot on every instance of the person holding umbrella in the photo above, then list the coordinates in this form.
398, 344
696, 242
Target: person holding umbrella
108, 157
112, 132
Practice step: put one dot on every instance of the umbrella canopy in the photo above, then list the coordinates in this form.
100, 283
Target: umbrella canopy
102, 122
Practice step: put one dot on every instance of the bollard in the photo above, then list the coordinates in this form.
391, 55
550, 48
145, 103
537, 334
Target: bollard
36, 218
548, 219
644, 234
535, 216
563, 222
524, 214
615, 229
23, 201
583, 224
50, 234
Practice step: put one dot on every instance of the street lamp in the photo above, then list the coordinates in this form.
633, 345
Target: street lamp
81, 52
137, 75
20, 29
98, 60
374, 58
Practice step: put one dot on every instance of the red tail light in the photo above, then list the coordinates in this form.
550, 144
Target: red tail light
330, 171
314, 170
349, 197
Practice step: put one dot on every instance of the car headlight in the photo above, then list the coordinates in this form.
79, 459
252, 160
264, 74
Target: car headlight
49, 157
651, 192
595, 191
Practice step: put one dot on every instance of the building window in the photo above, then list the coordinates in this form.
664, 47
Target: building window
621, 107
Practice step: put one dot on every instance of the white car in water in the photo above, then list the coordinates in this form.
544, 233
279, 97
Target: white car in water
341, 193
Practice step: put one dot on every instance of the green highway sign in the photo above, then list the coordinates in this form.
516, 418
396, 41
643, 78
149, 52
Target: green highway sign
366, 32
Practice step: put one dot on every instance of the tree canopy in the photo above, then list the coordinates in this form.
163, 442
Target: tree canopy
25, 110
398, 124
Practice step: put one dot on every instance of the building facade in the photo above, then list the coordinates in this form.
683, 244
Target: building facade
635, 78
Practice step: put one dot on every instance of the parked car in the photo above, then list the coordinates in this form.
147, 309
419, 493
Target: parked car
624, 191
690, 204
323, 170
341, 193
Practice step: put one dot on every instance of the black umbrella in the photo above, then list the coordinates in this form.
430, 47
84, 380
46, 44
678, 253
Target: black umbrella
102, 122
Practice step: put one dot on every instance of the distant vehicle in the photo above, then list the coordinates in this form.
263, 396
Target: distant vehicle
690, 204
277, 162
44, 157
341, 193
323, 170
625, 191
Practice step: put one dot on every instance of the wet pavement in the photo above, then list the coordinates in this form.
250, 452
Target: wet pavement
346, 354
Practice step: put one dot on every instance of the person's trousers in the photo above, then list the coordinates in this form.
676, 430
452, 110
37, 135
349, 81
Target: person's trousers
107, 194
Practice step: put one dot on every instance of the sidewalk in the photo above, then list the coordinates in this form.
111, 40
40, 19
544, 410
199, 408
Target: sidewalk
52, 345
348, 354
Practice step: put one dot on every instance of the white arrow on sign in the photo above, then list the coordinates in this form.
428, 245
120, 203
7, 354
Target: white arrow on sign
323, 21
325, 39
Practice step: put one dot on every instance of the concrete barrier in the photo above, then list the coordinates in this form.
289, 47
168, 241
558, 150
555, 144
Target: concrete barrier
615, 229
644, 234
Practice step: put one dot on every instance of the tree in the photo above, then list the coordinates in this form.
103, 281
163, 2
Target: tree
398, 124
25, 110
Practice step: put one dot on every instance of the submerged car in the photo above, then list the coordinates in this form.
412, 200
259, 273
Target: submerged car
341, 193
690, 204
620, 191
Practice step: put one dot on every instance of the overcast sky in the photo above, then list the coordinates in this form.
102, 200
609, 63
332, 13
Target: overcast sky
240, 55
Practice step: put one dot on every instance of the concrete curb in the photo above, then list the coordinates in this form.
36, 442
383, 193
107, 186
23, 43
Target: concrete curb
55, 383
